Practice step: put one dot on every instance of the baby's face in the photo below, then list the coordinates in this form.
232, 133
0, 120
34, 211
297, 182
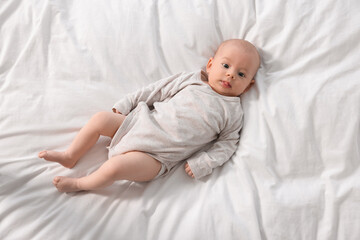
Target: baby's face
232, 70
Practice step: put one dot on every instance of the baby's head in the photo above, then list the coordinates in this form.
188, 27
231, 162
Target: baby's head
232, 69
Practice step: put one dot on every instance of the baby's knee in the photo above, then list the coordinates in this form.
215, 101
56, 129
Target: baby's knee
99, 119
101, 116
106, 123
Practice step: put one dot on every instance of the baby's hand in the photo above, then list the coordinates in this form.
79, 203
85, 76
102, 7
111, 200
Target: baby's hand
188, 170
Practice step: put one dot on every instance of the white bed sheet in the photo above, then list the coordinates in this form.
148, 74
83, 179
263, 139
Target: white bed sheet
295, 174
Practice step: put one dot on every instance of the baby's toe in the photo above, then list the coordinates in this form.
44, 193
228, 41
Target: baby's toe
42, 154
56, 180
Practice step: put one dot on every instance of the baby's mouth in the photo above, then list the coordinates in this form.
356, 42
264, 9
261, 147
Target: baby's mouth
225, 84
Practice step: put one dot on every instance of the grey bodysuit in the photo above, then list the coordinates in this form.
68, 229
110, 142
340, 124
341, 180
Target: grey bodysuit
180, 118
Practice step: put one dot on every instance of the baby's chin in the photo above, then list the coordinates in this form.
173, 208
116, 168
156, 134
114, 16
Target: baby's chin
226, 92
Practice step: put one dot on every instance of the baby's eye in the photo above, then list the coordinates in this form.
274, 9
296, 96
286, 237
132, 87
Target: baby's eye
241, 74
225, 65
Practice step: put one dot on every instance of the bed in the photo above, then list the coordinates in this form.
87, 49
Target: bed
294, 175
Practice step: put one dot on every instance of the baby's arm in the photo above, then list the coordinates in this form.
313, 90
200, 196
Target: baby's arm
155, 92
202, 163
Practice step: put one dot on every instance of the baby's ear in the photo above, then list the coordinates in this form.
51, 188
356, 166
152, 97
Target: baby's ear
209, 64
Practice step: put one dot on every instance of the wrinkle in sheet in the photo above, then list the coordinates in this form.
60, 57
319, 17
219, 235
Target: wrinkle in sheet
156, 9
27, 45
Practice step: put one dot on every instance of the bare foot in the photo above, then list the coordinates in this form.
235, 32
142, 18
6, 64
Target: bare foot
59, 157
66, 184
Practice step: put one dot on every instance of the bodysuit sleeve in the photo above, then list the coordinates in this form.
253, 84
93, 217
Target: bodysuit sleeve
203, 162
155, 92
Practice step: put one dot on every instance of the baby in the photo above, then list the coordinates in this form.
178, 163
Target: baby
194, 117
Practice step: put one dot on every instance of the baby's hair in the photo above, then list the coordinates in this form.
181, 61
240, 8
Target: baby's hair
248, 46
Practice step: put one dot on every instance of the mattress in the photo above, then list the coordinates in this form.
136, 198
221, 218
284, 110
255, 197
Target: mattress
294, 175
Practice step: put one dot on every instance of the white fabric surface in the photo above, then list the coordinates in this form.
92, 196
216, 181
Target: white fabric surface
295, 174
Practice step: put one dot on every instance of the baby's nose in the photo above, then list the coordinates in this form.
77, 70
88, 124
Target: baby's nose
230, 74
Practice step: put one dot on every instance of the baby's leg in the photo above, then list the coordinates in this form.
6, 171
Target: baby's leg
102, 123
133, 166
